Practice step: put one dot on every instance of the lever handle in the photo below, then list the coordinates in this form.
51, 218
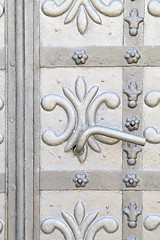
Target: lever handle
109, 132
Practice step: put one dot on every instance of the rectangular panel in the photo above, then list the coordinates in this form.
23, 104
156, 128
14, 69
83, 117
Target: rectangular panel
78, 204
54, 81
105, 31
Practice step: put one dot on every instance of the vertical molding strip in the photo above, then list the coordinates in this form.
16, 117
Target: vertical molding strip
20, 106
36, 119
133, 74
28, 86
11, 113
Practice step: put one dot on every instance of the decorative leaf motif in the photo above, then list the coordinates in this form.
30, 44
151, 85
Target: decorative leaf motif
88, 221
92, 12
80, 88
82, 21
72, 12
94, 144
81, 112
113, 9
82, 157
79, 212
79, 226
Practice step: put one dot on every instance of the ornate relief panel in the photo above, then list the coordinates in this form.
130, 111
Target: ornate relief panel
89, 218
93, 119
79, 101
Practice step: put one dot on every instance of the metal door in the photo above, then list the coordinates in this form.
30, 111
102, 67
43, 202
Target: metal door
79, 125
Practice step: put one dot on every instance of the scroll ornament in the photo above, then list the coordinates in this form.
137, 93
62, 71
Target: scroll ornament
82, 9
81, 130
152, 99
79, 226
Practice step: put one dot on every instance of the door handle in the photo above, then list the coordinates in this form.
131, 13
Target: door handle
109, 132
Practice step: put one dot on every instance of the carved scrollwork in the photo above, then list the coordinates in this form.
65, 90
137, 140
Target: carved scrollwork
81, 110
154, 8
79, 225
152, 99
49, 102
83, 9
152, 135
152, 221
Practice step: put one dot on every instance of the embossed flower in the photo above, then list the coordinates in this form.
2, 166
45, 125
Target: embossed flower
132, 56
80, 57
132, 123
80, 180
131, 180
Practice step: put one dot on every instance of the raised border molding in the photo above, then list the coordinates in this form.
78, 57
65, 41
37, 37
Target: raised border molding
98, 180
102, 56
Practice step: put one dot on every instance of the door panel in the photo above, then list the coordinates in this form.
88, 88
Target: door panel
75, 76
54, 202
53, 80
113, 177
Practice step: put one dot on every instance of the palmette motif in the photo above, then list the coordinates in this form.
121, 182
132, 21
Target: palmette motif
82, 9
79, 226
81, 108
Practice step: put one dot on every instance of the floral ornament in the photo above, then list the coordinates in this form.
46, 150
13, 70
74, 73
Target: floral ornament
83, 9
80, 180
132, 214
81, 108
80, 57
134, 20
79, 225
132, 151
132, 93
132, 123
131, 180
132, 56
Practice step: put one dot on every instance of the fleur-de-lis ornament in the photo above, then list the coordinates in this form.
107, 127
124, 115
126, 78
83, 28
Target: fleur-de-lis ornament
79, 226
82, 9
132, 214
134, 20
132, 93
81, 108
132, 151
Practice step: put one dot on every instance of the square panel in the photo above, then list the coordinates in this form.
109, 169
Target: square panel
106, 207
107, 80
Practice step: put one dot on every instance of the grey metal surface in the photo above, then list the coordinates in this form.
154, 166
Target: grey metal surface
99, 56
76, 78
